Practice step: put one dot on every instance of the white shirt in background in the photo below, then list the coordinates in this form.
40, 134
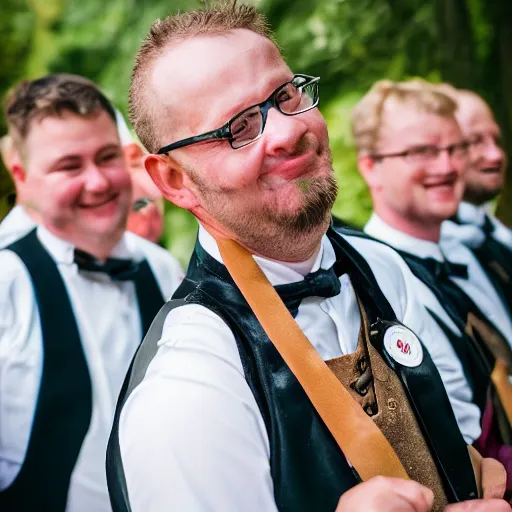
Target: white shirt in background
108, 320
470, 233
477, 286
15, 225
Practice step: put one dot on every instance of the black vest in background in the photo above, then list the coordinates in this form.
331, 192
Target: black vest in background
458, 305
496, 260
64, 402
308, 469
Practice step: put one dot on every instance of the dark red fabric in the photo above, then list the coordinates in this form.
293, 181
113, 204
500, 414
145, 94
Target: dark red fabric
490, 444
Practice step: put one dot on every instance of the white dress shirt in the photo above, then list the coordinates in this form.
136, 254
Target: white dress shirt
477, 286
191, 434
108, 321
16, 224
470, 232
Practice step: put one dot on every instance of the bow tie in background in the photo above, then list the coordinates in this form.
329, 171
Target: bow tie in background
322, 283
446, 268
118, 269
488, 226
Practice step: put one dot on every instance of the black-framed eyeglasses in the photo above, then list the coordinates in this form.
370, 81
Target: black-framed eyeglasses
428, 153
294, 97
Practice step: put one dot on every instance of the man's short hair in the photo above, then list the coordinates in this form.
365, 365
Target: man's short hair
219, 18
367, 114
50, 96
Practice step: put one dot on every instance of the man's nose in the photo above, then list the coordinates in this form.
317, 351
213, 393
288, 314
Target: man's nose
283, 133
492, 152
95, 179
445, 161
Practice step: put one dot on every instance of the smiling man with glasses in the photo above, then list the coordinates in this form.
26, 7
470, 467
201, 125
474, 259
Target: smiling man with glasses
413, 156
212, 415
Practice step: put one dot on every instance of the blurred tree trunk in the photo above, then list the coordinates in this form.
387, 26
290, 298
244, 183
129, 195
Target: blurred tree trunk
491, 73
456, 43
501, 18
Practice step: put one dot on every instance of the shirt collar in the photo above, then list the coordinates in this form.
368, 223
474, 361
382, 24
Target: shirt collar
17, 220
380, 230
471, 214
63, 252
279, 272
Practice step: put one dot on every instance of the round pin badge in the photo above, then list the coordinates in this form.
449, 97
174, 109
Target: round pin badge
403, 346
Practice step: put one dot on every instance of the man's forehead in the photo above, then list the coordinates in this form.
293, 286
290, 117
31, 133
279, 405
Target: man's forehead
406, 118
71, 133
198, 69
473, 113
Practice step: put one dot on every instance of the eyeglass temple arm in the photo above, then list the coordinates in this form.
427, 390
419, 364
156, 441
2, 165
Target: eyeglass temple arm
221, 133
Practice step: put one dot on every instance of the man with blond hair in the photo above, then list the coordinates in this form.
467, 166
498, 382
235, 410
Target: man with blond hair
77, 294
413, 156
212, 415
474, 226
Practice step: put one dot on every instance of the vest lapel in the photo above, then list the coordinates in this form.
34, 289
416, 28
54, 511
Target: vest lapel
149, 295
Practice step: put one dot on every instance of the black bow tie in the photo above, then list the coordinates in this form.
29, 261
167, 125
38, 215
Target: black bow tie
446, 268
322, 283
118, 269
488, 226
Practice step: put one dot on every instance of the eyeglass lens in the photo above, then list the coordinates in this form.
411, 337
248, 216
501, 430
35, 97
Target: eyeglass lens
291, 99
428, 153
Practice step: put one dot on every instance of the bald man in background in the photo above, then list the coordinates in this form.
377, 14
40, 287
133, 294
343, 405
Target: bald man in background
474, 226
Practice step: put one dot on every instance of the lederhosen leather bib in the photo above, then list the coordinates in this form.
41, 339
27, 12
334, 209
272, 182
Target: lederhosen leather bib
308, 469
380, 393
64, 402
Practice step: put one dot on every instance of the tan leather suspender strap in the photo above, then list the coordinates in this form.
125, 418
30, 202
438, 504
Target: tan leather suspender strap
500, 379
361, 441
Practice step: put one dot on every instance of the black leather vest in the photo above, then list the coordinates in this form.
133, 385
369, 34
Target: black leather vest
308, 469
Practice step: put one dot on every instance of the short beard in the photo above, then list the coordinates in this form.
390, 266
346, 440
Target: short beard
271, 233
480, 195
319, 195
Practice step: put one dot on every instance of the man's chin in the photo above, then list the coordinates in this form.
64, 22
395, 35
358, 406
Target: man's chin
481, 193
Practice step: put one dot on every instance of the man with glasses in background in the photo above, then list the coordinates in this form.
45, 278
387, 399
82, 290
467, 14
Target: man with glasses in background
413, 156
488, 238
212, 415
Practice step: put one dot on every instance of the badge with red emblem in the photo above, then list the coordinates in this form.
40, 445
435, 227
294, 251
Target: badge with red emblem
403, 346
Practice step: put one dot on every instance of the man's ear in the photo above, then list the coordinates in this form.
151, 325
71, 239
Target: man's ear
170, 178
17, 172
369, 169
133, 151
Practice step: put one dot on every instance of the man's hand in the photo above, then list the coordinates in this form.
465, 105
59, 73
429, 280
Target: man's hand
384, 494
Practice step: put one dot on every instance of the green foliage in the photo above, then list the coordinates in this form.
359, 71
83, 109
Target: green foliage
349, 43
